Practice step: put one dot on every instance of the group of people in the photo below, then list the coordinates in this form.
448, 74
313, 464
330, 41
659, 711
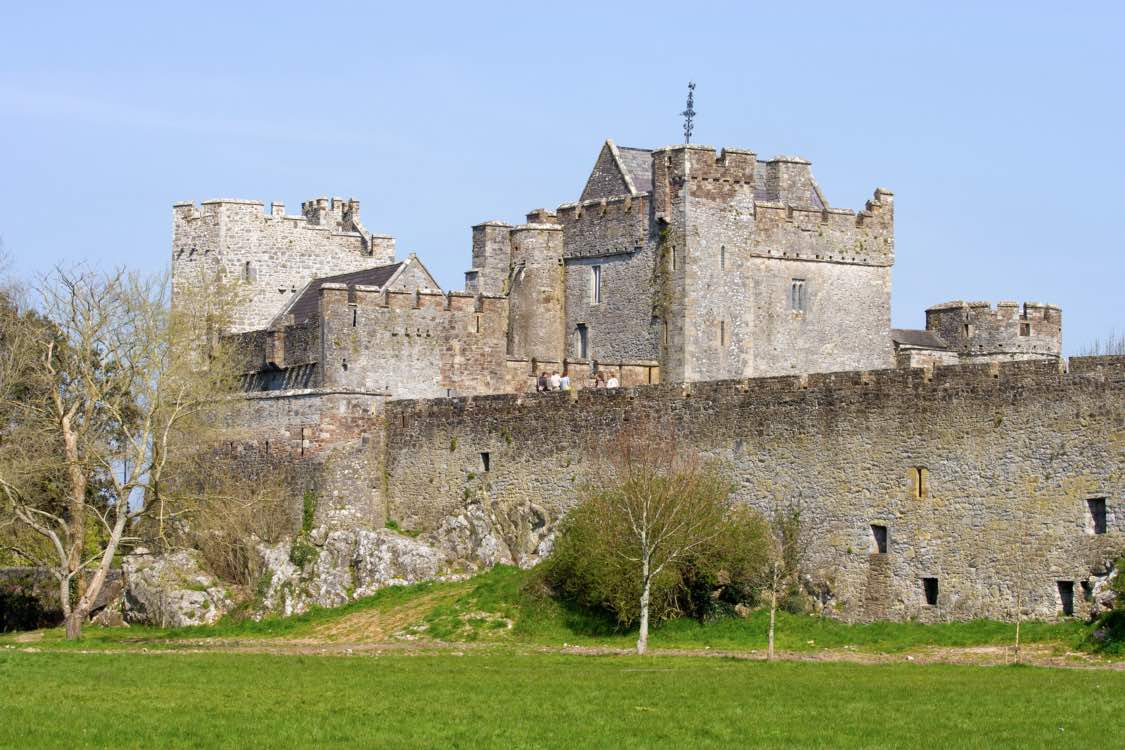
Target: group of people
557, 382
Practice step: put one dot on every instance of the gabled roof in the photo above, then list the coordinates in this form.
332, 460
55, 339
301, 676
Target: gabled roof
637, 163
619, 171
307, 302
916, 338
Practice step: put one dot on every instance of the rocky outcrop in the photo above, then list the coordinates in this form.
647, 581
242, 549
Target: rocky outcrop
1103, 594
486, 533
172, 590
347, 564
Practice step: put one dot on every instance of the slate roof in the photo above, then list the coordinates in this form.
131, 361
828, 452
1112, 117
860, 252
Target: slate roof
307, 303
920, 339
638, 162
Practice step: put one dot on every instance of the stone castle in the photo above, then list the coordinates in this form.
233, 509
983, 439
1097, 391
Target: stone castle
730, 300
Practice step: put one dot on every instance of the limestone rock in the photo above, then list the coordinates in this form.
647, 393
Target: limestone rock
487, 533
172, 590
349, 563
1102, 595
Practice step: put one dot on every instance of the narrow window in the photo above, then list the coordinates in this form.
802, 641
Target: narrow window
722, 333
583, 341
1097, 514
1025, 329
355, 315
920, 478
267, 446
664, 332
595, 284
476, 323
1066, 597
879, 536
722, 257
797, 298
967, 330
247, 272
485, 460
930, 591
674, 258
344, 365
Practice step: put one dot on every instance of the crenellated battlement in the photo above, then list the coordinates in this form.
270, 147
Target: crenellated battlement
832, 387
1006, 330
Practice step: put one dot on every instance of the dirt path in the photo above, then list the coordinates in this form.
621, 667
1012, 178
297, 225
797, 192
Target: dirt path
367, 625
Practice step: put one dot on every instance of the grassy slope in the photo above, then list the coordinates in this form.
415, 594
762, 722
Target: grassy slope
507, 700
482, 609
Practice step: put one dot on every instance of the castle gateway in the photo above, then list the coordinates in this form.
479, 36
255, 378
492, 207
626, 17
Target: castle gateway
942, 473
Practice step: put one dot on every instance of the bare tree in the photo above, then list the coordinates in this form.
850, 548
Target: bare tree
654, 507
1114, 343
785, 561
96, 388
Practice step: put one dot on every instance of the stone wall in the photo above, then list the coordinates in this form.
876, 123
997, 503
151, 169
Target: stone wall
325, 441
273, 255
1010, 454
613, 235
412, 345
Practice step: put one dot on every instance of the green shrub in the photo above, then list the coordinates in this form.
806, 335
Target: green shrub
706, 583
308, 511
302, 553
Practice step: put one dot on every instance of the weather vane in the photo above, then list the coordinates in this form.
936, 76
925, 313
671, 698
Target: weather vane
689, 113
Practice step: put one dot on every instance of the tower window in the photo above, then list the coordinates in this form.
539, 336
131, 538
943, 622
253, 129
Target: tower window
248, 273
797, 295
355, 315
595, 284
674, 263
583, 337
1066, 597
967, 330
664, 332
1025, 329
930, 591
485, 460
722, 257
879, 537
724, 334
1098, 517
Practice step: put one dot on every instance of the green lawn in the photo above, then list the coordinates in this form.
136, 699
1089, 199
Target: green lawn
503, 595
59, 699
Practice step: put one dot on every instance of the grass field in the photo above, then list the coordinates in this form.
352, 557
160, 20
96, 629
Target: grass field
495, 607
173, 700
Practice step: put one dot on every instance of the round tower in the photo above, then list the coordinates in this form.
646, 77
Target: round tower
536, 291
1010, 331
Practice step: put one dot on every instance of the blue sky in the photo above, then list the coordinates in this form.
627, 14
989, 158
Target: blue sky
997, 125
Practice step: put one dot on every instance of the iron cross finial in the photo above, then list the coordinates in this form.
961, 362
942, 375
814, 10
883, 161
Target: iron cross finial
689, 113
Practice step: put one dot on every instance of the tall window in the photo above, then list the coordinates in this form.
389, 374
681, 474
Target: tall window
722, 257
797, 295
583, 341
724, 334
595, 284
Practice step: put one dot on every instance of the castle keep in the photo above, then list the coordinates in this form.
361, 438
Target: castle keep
943, 473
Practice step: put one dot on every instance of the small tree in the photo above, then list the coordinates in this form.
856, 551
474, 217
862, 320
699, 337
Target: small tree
95, 389
646, 518
785, 553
